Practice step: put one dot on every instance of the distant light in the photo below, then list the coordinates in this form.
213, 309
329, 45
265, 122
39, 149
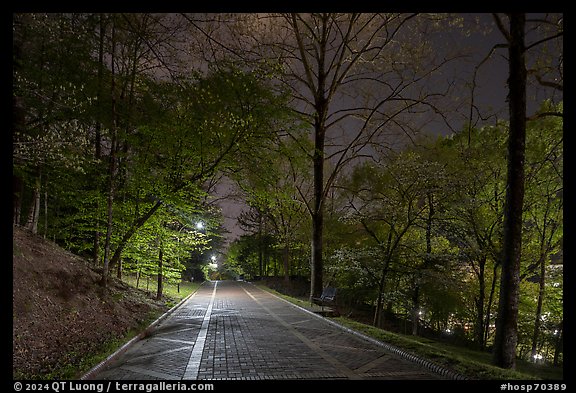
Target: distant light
199, 225
213, 264
538, 357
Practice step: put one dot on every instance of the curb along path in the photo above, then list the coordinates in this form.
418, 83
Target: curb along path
235, 331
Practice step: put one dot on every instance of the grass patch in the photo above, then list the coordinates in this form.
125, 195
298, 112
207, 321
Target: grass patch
172, 291
468, 362
472, 364
186, 288
304, 303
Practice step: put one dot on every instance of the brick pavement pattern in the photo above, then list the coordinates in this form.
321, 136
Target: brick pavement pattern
232, 330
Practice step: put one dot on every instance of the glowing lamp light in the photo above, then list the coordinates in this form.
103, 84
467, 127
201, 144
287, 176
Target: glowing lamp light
538, 357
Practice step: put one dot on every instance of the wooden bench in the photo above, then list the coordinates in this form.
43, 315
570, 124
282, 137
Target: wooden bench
327, 299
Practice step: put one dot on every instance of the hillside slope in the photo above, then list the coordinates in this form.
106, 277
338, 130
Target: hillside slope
60, 313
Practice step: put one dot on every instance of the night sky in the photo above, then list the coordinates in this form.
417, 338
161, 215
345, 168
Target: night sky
489, 97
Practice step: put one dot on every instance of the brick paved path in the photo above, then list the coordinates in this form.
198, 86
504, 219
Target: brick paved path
234, 330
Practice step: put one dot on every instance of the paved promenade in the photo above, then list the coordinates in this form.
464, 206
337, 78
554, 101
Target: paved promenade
235, 331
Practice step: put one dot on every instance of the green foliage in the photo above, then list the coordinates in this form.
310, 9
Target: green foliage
455, 189
169, 135
53, 88
276, 221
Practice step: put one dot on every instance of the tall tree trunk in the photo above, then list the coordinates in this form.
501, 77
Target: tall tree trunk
98, 133
321, 111
506, 338
111, 168
18, 114
317, 261
124, 149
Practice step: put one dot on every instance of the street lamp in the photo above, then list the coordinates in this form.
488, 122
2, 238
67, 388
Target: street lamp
213, 264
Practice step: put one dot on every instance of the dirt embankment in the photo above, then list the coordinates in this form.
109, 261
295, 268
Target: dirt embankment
60, 312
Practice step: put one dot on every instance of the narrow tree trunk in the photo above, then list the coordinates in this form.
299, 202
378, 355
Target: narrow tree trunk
17, 192
45, 208
96, 243
415, 308
160, 275
260, 252
316, 266
388, 252
266, 252
425, 264
490, 303
286, 260
380, 300
34, 210
559, 343
538, 313
479, 328
507, 321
